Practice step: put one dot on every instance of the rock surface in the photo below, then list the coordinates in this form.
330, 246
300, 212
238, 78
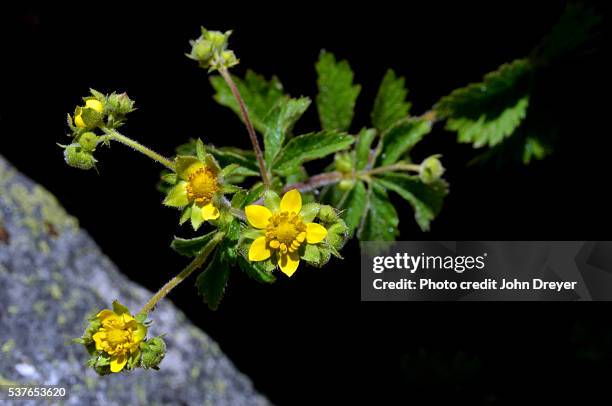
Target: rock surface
52, 275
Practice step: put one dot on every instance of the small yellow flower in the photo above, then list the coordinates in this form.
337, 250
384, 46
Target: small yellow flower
284, 232
119, 336
93, 104
197, 185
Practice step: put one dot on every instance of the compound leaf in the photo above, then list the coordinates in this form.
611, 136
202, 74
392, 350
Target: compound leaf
337, 93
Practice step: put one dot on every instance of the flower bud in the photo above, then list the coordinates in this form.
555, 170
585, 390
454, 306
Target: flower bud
328, 214
346, 184
431, 169
337, 234
88, 141
75, 156
153, 352
210, 50
121, 103
343, 162
227, 59
90, 115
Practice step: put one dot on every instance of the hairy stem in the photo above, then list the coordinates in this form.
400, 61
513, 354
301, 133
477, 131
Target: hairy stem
391, 168
316, 181
116, 136
249, 125
184, 274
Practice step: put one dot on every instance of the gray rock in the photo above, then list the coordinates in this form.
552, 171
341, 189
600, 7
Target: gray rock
52, 276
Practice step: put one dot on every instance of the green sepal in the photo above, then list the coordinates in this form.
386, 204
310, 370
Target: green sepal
309, 212
229, 189
200, 150
184, 162
186, 215
272, 200
251, 233
312, 254
196, 217
169, 177
119, 308
177, 196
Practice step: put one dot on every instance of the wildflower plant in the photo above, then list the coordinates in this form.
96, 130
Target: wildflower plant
261, 211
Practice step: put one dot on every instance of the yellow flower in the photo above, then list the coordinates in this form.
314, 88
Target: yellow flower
93, 104
284, 232
119, 336
197, 185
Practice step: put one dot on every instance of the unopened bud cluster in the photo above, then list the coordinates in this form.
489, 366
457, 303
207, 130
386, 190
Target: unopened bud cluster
99, 111
210, 50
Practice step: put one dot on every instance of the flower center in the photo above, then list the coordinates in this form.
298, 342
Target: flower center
118, 337
202, 185
285, 232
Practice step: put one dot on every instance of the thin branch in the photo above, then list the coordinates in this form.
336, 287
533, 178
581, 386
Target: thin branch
249, 125
172, 283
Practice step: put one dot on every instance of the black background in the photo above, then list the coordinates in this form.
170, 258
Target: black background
308, 339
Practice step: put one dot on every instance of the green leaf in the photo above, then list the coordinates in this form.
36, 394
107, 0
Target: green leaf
254, 193
259, 95
311, 146
390, 105
381, 220
279, 123
486, 113
256, 270
363, 146
535, 148
192, 246
426, 200
200, 150
353, 206
231, 155
337, 94
401, 138
211, 283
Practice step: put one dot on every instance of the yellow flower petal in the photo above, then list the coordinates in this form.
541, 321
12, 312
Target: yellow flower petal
257, 215
289, 263
95, 104
315, 233
259, 251
291, 201
210, 212
98, 338
104, 314
78, 121
127, 318
117, 363
140, 332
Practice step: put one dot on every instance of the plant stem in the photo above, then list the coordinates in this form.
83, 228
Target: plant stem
392, 168
116, 136
249, 125
316, 181
184, 274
